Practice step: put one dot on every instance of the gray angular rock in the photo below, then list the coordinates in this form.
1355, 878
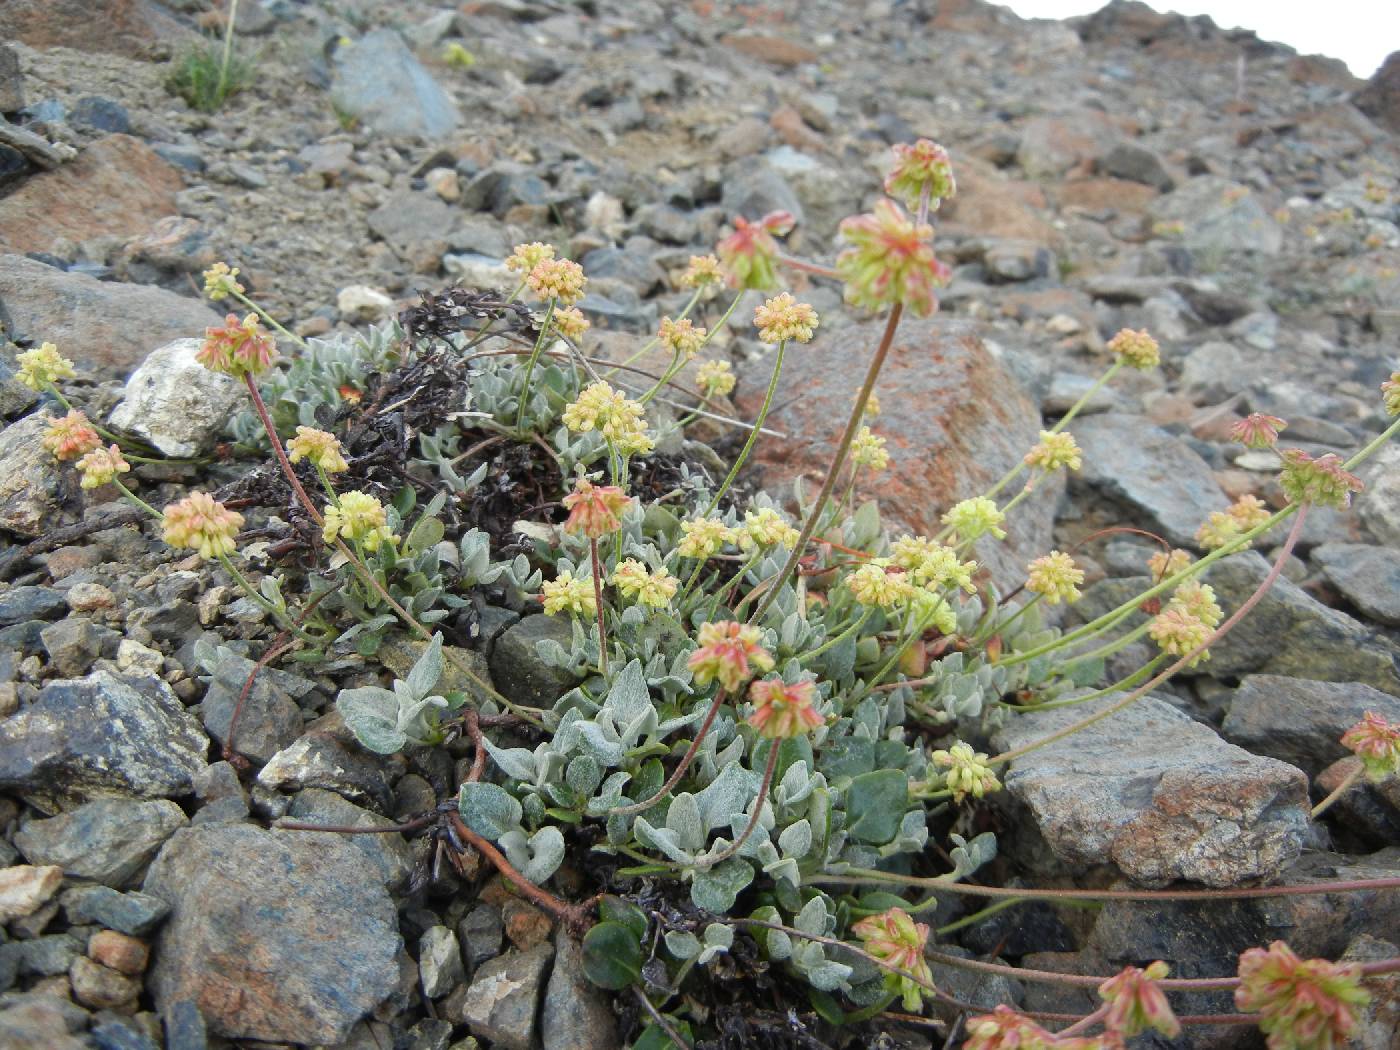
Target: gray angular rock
379, 82
33, 486
1127, 160
1157, 794
137, 914
1220, 218
40, 1021
1379, 504
752, 191
45, 956
74, 643
274, 936
576, 1014
407, 220
96, 323
500, 1005
1299, 721
388, 855
107, 840
1367, 575
440, 966
30, 603
101, 736
1158, 478
175, 403
481, 933
270, 721
1378, 1020
516, 668
319, 759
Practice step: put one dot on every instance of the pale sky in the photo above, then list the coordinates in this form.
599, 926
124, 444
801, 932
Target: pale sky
1359, 32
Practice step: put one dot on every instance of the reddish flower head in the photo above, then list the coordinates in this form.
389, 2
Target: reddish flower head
1257, 430
1135, 1003
595, 510
729, 653
781, 710
1377, 743
1303, 1004
238, 348
749, 254
924, 165
1322, 481
70, 437
895, 938
1005, 1029
890, 261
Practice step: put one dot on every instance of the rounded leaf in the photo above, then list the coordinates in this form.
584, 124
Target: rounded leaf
612, 955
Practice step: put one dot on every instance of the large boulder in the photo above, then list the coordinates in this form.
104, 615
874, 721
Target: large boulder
954, 418
96, 323
1380, 98
119, 27
1156, 794
118, 186
34, 487
378, 81
283, 937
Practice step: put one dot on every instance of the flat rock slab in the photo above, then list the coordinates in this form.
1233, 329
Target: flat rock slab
108, 840
1299, 721
1367, 575
103, 324
102, 736
1157, 794
1165, 486
378, 81
279, 937
955, 420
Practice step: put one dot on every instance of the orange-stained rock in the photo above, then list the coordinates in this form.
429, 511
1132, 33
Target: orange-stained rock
117, 27
775, 49
955, 420
118, 186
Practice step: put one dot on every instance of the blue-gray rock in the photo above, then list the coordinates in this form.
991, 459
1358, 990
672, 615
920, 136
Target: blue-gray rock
184, 1027
1136, 163
34, 488
576, 1014
277, 937
517, 669
45, 956
501, 1003
108, 840
101, 736
1368, 576
73, 645
31, 603
1158, 795
270, 720
481, 933
388, 855
634, 267
751, 192
1157, 479
1220, 218
134, 913
100, 114
408, 219
1299, 721
325, 757
378, 81
440, 966
114, 1035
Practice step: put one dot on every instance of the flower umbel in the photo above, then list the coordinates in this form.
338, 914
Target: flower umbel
968, 772
1322, 481
1005, 1029
70, 437
568, 593
729, 653
1197, 600
879, 585
1168, 563
1055, 577
238, 348
1177, 632
620, 420
896, 939
1223, 526
319, 448
703, 537
750, 254
682, 337
781, 710
570, 323
359, 518
1377, 743
559, 279
1136, 349
220, 282
1303, 1004
1257, 430
890, 261
39, 369
783, 319
633, 580
920, 166
715, 378
101, 466
1055, 452
932, 564
200, 522
975, 517
1390, 392
702, 272
595, 510
1136, 1003
525, 257
765, 527
868, 450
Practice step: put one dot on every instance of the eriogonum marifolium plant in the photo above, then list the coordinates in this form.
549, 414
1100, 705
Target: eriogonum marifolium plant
767, 700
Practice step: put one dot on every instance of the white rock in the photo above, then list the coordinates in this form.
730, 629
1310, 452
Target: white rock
1380, 501
24, 889
444, 182
135, 658
360, 302
175, 403
480, 271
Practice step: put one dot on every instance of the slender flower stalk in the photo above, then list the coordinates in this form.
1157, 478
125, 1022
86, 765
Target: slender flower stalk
752, 439
530, 366
598, 604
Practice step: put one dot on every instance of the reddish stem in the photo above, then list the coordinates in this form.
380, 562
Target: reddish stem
762, 799
598, 606
1250, 893
686, 759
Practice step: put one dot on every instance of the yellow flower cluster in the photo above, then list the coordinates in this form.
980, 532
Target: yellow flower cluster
783, 319
101, 466
682, 337
220, 282
703, 271
70, 437
867, 450
1164, 564
975, 517
525, 257
570, 323
1136, 349
715, 378
569, 593
1055, 577
703, 537
620, 420
319, 448
930, 564
42, 368
633, 580
968, 771
765, 527
875, 585
1055, 452
559, 279
1223, 526
359, 518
